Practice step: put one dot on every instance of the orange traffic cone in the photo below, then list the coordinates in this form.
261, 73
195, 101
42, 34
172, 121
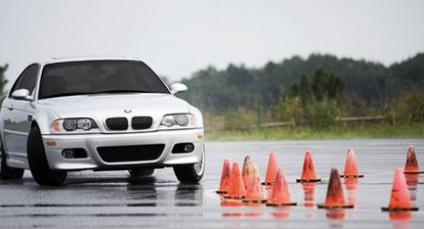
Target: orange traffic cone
254, 193
399, 199
224, 185
351, 168
280, 195
308, 170
272, 169
335, 197
411, 166
247, 172
237, 190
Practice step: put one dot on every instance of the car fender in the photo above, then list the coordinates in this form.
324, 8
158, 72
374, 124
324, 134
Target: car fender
44, 118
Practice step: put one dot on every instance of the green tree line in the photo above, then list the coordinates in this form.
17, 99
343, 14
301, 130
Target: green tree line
311, 91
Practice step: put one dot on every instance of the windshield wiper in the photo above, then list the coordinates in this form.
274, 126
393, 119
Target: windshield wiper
97, 92
118, 91
64, 94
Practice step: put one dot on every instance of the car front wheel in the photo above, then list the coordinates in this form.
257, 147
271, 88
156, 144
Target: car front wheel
190, 173
6, 172
37, 160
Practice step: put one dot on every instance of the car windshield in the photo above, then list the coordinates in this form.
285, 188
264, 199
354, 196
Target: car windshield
98, 77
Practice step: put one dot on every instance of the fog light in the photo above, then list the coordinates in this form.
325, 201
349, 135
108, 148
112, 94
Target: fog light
183, 148
68, 153
188, 147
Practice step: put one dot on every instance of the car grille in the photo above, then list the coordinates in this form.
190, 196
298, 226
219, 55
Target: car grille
141, 122
130, 153
118, 123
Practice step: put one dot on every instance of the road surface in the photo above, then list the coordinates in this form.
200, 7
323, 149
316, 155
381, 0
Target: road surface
113, 200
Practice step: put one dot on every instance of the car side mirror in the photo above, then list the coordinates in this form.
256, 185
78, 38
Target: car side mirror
22, 94
178, 87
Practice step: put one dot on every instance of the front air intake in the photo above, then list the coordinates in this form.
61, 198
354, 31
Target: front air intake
130, 153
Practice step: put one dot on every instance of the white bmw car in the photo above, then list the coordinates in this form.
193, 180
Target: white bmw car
98, 114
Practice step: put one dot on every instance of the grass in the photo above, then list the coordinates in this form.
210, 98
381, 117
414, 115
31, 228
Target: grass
415, 130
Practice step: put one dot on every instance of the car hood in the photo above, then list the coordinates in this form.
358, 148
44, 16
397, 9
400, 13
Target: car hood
112, 105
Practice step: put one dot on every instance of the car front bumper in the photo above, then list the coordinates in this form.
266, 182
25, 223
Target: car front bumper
54, 145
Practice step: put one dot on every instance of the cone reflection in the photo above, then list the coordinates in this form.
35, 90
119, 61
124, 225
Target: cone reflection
338, 214
412, 183
351, 184
309, 194
281, 213
400, 215
231, 203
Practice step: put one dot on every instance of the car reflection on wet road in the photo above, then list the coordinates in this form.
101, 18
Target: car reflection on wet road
113, 199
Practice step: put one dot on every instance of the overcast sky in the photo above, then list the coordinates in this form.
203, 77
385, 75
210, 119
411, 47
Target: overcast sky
177, 38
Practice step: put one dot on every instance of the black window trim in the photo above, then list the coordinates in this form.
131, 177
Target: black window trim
21, 75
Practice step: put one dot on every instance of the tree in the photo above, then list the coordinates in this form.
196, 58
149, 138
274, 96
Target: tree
3, 81
373, 84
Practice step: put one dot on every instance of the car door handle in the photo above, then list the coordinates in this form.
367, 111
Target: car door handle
10, 107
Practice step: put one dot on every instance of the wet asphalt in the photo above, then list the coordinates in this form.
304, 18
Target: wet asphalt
114, 200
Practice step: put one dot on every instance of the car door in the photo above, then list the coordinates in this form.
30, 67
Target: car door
17, 117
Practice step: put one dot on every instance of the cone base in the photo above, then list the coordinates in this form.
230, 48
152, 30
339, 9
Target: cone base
308, 180
221, 192
254, 201
267, 183
387, 209
324, 206
234, 197
352, 176
281, 205
419, 172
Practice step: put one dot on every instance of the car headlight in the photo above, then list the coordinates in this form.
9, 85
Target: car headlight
178, 121
73, 125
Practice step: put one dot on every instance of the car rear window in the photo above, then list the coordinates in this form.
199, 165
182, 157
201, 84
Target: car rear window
100, 76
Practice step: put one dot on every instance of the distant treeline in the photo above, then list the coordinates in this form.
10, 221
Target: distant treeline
319, 87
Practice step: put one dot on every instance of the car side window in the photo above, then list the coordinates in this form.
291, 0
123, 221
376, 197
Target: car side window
27, 79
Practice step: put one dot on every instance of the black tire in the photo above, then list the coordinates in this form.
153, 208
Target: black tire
6, 172
190, 173
141, 172
38, 164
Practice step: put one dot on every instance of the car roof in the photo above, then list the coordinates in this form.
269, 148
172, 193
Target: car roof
85, 58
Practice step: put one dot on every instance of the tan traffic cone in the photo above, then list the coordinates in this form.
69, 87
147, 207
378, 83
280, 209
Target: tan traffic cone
351, 167
224, 185
254, 193
272, 169
335, 197
237, 190
247, 172
280, 195
308, 170
399, 199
